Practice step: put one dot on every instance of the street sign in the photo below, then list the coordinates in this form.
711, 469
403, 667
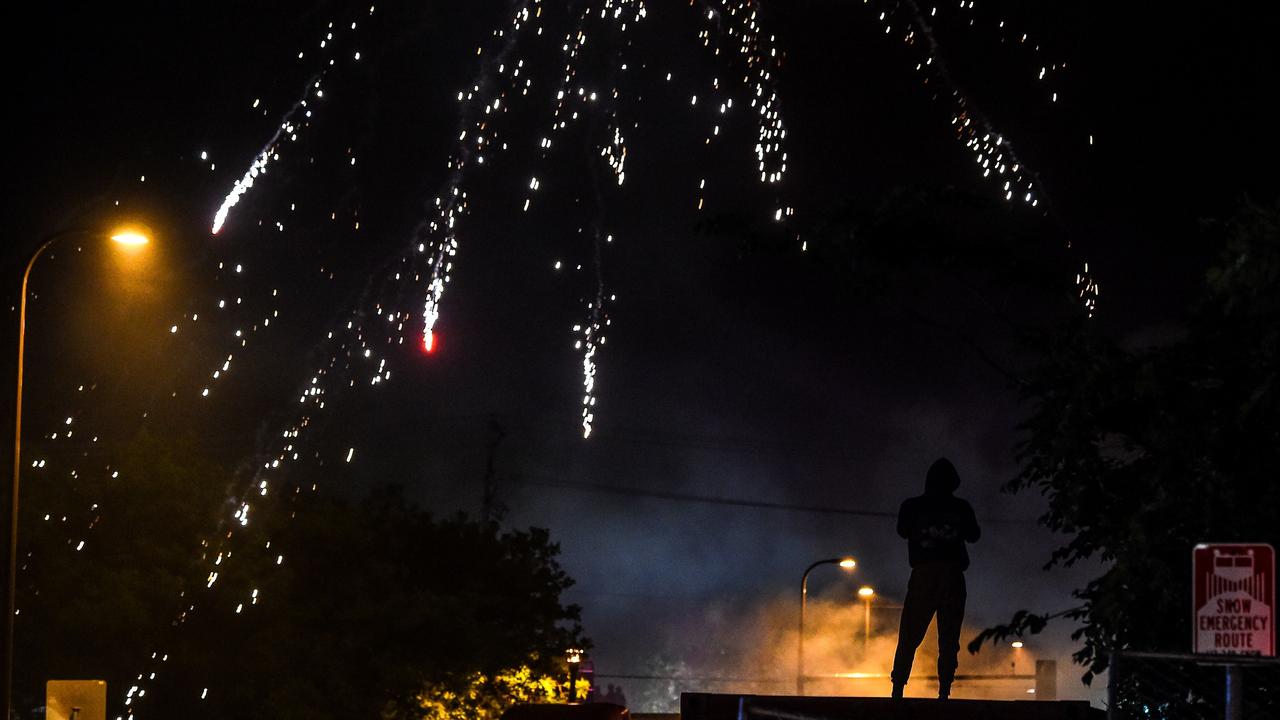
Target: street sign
1233, 599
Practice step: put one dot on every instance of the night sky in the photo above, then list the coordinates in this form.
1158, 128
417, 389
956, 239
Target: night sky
736, 366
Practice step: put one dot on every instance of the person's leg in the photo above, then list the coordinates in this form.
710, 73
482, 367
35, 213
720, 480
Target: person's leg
951, 599
917, 611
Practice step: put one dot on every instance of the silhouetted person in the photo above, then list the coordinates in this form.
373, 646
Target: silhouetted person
936, 525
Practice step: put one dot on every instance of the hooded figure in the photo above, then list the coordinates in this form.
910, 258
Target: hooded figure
936, 526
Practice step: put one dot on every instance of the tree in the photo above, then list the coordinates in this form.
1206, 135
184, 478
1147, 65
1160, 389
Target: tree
477, 696
376, 603
1144, 451
106, 555
357, 608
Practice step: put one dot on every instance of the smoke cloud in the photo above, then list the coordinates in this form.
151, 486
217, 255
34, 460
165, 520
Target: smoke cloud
732, 648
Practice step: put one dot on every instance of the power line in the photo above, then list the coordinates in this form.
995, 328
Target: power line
545, 481
636, 435
741, 596
707, 499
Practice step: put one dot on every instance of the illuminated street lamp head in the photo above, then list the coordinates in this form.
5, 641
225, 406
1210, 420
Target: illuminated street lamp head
866, 592
575, 655
848, 563
130, 236
1016, 644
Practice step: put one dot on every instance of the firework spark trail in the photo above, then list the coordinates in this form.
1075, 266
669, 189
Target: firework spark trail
288, 128
992, 151
1086, 286
451, 204
760, 56
614, 151
741, 23
1046, 69
593, 331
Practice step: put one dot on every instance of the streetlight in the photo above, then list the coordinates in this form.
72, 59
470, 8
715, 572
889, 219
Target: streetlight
866, 592
126, 236
130, 236
847, 563
575, 661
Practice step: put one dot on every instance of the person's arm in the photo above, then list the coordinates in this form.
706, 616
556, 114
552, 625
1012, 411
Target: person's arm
906, 520
971, 531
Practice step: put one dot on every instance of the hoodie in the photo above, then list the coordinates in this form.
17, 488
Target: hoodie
937, 524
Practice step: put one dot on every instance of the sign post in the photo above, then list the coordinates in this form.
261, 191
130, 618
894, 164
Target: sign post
1233, 599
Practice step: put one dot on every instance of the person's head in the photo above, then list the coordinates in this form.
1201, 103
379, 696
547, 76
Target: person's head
942, 478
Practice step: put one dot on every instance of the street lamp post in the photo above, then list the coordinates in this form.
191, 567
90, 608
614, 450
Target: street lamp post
122, 236
575, 661
848, 564
866, 592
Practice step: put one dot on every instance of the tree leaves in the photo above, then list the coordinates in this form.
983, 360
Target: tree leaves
1142, 452
376, 601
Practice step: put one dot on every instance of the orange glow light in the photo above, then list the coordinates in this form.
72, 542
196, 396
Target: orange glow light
130, 236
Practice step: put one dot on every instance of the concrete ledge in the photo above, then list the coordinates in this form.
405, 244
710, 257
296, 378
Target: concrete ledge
715, 706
